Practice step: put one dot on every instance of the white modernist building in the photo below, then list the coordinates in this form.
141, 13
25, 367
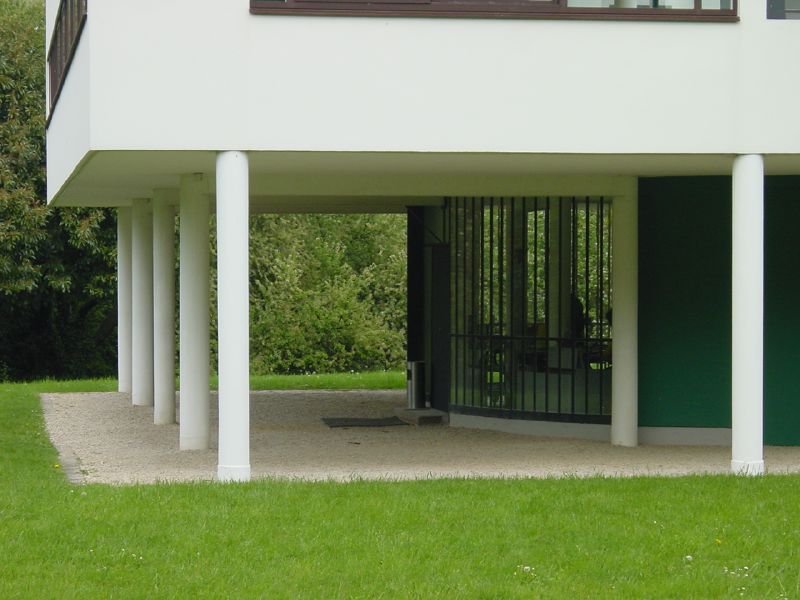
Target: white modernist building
511, 135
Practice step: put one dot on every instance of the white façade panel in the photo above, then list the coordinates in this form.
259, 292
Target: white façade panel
51, 10
768, 87
200, 74
68, 133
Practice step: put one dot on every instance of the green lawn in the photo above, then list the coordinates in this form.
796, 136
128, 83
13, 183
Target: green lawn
377, 380
688, 537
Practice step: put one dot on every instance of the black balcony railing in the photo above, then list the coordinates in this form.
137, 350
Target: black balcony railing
67, 31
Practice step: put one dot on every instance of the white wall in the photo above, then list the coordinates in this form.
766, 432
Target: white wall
68, 135
51, 10
207, 75
263, 82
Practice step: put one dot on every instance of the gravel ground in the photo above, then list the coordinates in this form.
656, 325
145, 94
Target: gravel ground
102, 438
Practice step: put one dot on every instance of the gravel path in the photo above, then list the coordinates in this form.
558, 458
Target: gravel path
106, 440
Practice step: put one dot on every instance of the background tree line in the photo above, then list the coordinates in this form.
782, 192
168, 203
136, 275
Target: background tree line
327, 291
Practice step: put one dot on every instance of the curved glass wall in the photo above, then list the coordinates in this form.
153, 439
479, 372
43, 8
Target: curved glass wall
531, 312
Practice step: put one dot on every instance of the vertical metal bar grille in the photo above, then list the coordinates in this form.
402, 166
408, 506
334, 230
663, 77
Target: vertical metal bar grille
545, 331
531, 284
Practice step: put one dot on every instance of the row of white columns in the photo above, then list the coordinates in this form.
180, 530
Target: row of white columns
625, 290
194, 312
747, 318
146, 312
146, 309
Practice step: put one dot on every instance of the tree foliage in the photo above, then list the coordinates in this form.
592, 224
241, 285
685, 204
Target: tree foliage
327, 292
23, 218
57, 285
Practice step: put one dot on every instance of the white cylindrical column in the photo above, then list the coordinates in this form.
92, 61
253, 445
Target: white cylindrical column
163, 308
747, 312
194, 313
124, 315
625, 302
233, 316
142, 297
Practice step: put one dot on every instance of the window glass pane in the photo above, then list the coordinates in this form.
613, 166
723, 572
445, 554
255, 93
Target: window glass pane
590, 3
678, 4
662, 4
717, 4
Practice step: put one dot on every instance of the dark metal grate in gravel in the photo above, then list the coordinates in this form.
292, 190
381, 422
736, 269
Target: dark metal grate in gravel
361, 422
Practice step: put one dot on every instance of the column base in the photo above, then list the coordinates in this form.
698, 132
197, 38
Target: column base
624, 444
163, 419
141, 401
747, 467
193, 443
233, 473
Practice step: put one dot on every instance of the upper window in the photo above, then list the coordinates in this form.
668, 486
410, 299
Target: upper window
685, 10
783, 9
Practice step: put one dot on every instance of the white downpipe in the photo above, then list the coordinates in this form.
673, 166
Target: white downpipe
625, 302
163, 307
194, 313
747, 381
233, 316
142, 311
124, 315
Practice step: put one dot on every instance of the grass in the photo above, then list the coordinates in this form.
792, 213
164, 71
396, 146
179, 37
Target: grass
371, 380
377, 380
685, 537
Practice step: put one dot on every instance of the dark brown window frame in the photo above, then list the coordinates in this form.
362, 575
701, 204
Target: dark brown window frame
496, 9
70, 20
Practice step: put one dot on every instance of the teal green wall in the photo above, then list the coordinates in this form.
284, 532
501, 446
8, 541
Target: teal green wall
782, 311
685, 309
684, 302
